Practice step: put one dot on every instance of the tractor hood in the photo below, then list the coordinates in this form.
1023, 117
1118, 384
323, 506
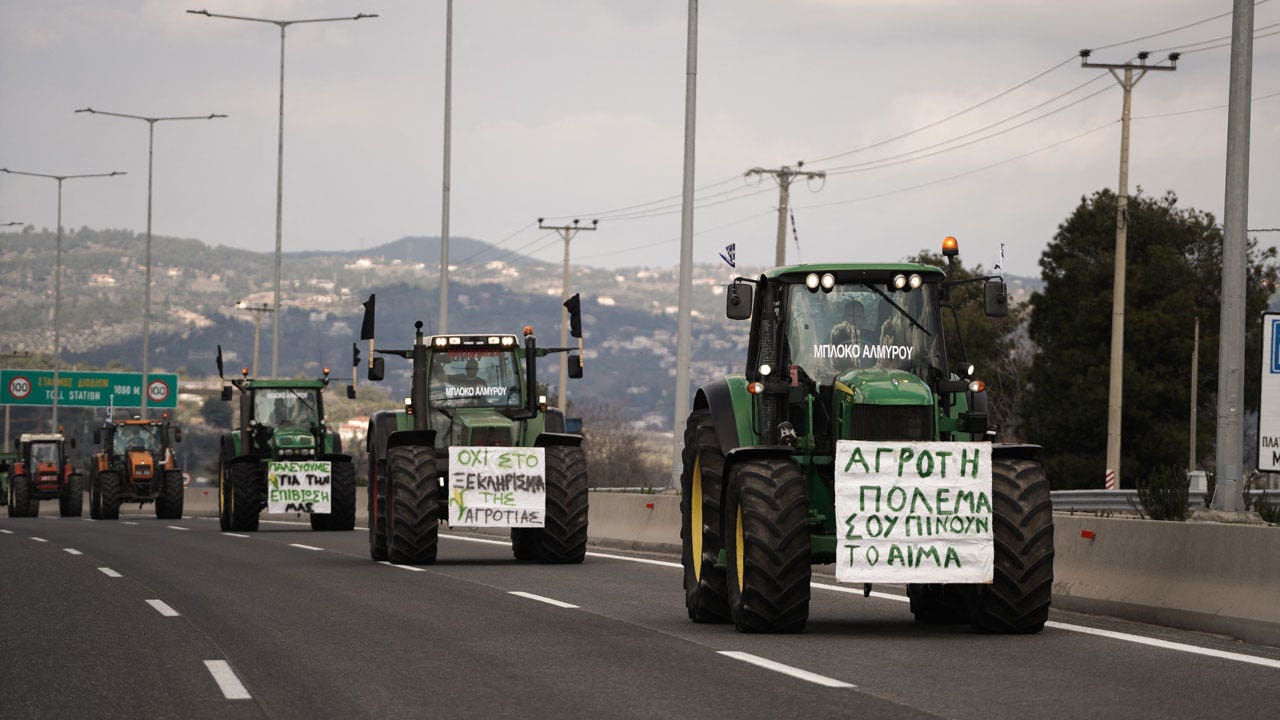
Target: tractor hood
482, 426
289, 440
882, 386
141, 463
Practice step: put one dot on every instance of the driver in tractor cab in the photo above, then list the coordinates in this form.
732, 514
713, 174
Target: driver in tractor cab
470, 377
281, 415
848, 332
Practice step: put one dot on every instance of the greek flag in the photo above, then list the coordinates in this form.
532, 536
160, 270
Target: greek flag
730, 254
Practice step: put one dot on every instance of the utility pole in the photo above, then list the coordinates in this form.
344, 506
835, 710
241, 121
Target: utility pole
446, 184
1115, 396
1195, 392
684, 327
784, 176
258, 312
566, 232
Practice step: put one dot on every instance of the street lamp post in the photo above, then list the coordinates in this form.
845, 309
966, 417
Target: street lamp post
258, 312
57, 274
282, 24
146, 301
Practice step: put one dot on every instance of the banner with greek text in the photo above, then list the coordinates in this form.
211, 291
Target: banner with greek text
298, 487
913, 512
497, 487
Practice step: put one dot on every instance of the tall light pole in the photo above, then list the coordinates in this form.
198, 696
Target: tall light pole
446, 185
684, 328
57, 274
283, 25
1115, 394
258, 312
146, 295
566, 232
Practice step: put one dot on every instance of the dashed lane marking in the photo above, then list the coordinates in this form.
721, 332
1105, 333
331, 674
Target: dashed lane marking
71, 551
109, 572
228, 683
163, 608
542, 599
794, 672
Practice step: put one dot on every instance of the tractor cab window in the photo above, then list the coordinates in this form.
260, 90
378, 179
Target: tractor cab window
134, 437
474, 378
44, 452
854, 327
277, 407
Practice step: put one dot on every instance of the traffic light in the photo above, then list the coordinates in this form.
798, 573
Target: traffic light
355, 355
574, 306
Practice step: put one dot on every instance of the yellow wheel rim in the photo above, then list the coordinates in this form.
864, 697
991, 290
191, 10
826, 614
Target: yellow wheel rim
737, 546
222, 488
695, 517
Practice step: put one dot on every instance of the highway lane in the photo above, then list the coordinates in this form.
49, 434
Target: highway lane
325, 633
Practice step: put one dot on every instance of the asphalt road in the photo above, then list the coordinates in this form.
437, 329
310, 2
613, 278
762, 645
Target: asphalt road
151, 618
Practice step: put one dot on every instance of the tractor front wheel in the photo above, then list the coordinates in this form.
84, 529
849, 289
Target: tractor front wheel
706, 594
20, 502
413, 527
71, 504
563, 538
109, 495
767, 546
244, 490
169, 504
342, 500
1017, 602
377, 513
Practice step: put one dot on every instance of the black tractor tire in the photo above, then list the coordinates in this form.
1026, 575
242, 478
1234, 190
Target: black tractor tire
224, 494
413, 510
706, 592
342, 499
1017, 602
377, 512
563, 537
244, 490
109, 495
767, 546
20, 502
71, 503
170, 503
95, 504
941, 604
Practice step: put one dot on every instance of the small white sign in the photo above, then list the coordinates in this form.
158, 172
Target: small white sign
497, 487
913, 512
299, 487
1269, 406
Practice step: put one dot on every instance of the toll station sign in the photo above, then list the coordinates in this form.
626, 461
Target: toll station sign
88, 389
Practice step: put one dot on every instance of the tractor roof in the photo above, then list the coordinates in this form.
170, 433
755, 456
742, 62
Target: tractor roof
135, 421
855, 272
40, 437
295, 384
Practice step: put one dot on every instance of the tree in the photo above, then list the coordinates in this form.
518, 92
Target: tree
1173, 278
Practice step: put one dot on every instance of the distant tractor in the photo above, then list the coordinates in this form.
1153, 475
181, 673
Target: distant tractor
41, 471
7, 459
136, 462
473, 394
282, 456
848, 381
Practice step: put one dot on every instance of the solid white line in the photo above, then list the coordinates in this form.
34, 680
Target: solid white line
858, 591
785, 669
402, 567
109, 572
37, 539
6, 532
1153, 642
540, 598
305, 547
176, 527
163, 608
126, 522
608, 556
231, 534
72, 551
228, 683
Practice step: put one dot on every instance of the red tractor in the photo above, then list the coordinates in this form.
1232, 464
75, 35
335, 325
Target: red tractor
43, 472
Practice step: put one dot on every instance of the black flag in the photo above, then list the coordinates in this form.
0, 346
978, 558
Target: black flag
574, 306
366, 327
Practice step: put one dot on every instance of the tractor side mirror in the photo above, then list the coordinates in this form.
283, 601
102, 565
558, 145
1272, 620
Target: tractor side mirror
575, 366
377, 369
351, 392
177, 434
997, 298
738, 301
219, 361
73, 443
97, 437
226, 393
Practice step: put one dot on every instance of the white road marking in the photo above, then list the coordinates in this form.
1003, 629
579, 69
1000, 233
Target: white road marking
109, 572
540, 598
858, 591
127, 522
228, 683
785, 669
305, 547
6, 532
179, 527
1153, 642
38, 539
71, 551
231, 534
402, 567
608, 556
163, 608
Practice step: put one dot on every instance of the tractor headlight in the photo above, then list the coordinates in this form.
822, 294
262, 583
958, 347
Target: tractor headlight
977, 386
811, 281
765, 369
899, 281
914, 281
828, 281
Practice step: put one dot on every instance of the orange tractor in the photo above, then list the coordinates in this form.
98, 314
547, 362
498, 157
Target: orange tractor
135, 462
42, 471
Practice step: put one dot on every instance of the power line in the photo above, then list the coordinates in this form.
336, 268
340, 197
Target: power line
1214, 40
1228, 43
1203, 109
1171, 30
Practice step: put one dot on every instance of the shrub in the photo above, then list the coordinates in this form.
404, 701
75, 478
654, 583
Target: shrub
1163, 494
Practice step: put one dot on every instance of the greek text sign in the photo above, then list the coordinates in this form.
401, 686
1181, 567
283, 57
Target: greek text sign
913, 512
1269, 407
88, 389
298, 487
497, 487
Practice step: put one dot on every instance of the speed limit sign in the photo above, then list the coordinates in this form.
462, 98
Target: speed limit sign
19, 387
157, 391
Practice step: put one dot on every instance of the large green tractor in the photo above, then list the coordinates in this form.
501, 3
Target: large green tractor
282, 456
848, 375
474, 394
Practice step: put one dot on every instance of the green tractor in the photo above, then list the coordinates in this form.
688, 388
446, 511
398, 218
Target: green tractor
472, 396
849, 440
283, 457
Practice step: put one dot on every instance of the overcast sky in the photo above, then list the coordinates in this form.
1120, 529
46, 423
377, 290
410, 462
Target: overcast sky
575, 108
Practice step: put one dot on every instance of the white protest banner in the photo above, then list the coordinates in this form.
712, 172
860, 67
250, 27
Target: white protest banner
913, 512
301, 486
497, 487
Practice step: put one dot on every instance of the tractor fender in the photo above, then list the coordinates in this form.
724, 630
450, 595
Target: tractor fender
1015, 451
552, 439
716, 397
420, 438
743, 454
252, 459
336, 457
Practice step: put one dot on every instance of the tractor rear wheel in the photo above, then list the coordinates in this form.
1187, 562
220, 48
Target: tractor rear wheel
767, 546
413, 513
20, 489
244, 491
1017, 602
169, 503
224, 493
706, 593
563, 538
109, 495
342, 499
941, 604
71, 504
377, 512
